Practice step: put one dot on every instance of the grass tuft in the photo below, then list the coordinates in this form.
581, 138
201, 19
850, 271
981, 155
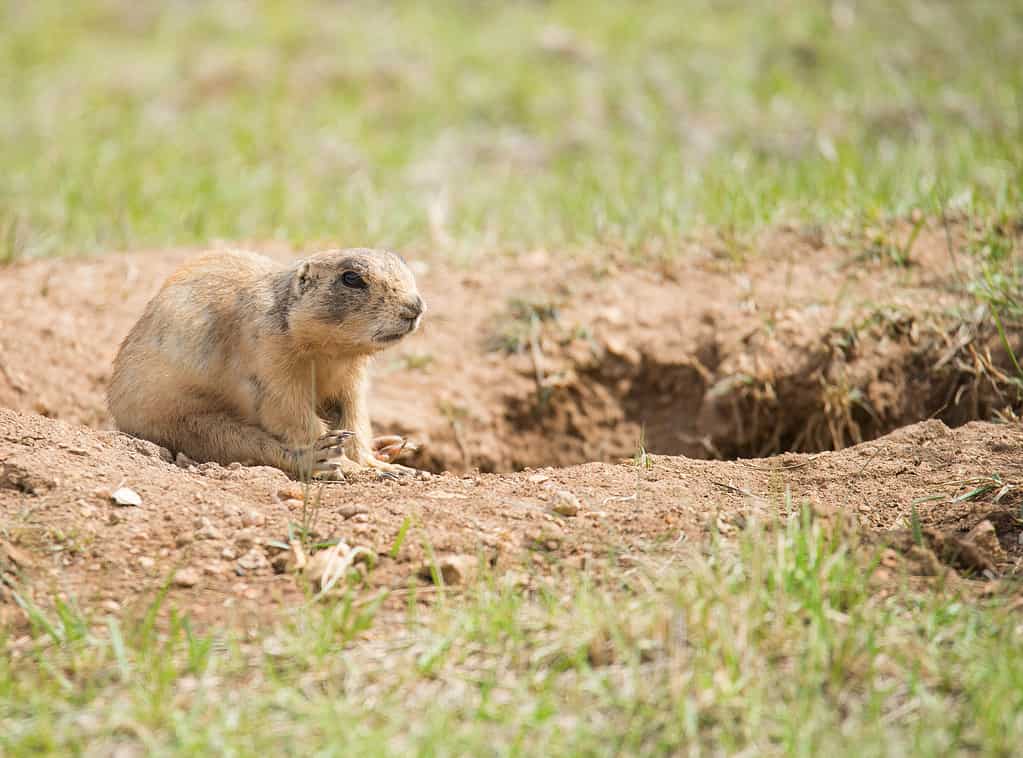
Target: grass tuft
773, 644
560, 124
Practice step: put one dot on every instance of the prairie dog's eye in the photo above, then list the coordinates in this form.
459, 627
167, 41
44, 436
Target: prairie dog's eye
353, 280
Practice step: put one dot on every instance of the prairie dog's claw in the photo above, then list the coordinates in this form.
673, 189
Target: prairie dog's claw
390, 447
316, 456
331, 445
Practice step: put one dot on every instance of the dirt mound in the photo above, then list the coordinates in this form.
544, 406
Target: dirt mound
223, 530
539, 361
546, 360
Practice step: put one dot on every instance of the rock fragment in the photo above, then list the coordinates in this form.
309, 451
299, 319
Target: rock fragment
11, 554
186, 577
452, 570
985, 537
207, 531
291, 491
565, 503
24, 475
254, 560
125, 496
253, 518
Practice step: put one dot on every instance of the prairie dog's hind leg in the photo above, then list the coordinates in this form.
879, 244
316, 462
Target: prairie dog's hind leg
222, 438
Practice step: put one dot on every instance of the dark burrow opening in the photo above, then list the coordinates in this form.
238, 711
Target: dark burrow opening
827, 396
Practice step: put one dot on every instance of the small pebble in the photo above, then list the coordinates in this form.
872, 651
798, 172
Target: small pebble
207, 531
245, 539
253, 560
126, 497
565, 503
187, 577
291, 491
453, 569
253, 518
146, 562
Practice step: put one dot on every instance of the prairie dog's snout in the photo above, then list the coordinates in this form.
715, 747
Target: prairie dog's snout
413, 312
414, 309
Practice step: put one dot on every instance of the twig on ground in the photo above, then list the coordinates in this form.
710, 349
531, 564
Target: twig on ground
15, 385
731, 488
782, 467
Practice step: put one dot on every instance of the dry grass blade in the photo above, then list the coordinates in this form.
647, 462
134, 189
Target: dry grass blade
334, 566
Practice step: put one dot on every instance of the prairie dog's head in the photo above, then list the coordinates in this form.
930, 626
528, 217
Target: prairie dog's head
358, 300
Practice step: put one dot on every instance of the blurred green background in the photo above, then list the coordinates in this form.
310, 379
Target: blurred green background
473, 126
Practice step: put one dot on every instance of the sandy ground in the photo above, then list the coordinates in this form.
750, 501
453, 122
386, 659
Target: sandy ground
531, 366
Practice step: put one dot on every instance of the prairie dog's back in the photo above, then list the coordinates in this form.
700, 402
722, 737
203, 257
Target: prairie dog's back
193, 330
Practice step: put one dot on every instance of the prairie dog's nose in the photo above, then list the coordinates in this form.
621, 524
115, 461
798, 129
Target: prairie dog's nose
415, 308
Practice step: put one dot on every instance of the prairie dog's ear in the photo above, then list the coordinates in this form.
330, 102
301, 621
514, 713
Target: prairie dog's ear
302, 279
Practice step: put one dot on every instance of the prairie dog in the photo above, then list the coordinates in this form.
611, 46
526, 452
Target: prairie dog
238, 358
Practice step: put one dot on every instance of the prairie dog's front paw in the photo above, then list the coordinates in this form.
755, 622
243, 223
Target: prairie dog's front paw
322, 456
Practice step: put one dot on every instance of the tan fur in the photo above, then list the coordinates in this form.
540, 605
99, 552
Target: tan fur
240, 359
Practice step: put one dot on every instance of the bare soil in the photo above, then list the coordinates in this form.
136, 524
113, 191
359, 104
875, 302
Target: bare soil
793, 345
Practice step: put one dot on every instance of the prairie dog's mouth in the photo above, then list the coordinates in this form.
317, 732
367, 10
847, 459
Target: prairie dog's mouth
410, 326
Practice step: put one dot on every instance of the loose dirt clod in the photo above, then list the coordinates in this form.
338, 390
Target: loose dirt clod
22, 476
929, 548
291, 491
207, 531
186, 577
451, 569
565, 503
253, 518
984, 536
12, 554
254, 560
